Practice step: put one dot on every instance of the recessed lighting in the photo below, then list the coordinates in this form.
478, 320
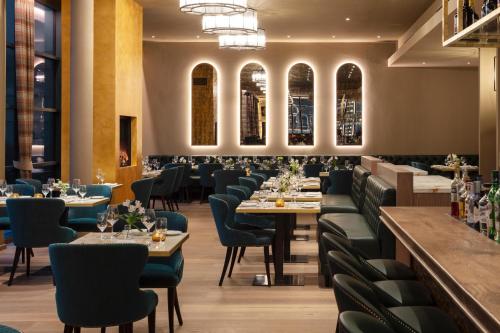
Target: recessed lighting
468, 62
378, 36
334, 36
197, 36
153, 36
423, 63
348, 19
288, 36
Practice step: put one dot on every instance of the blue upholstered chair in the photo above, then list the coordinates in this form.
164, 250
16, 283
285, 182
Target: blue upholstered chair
35, 223
37, 185
98, 286
313, 170
21, 189
85, 218
233, 238
186, 176
260, 174
142, 190
249, 182
177, 187
5, 329
259, 178
166, 272
207, 181
241, 192
224, 178
164, 186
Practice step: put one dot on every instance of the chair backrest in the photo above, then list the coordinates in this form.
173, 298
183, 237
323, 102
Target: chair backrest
249, 182
175, 221
6, 329
21, 189
241, 192
258, 178
98, 285
142, 190
91, 212
206, 170
421, 166
261, 174
359, 179
36, 222
223, 178
358, 322
378, 194
340, 182
313, 170
37, 185
186, 174
178, 178
164, 184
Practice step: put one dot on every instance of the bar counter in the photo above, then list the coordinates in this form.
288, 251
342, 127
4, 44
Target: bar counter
465, 264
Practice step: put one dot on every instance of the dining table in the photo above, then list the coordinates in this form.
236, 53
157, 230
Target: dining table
284, 218
307, 184
297, 196
151, 173
70, 201
156, 249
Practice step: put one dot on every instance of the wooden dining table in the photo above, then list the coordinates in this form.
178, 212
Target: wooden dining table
308, 184
156, 249
70, 201
284, 217
299, 196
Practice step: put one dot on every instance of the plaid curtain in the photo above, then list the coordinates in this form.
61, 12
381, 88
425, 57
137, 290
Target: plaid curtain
25, 62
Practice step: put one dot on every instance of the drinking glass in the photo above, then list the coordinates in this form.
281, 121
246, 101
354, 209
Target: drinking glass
149, 219
9, 190
76, 186
82, 191
3, 187
175, 160
112, 216
51, 182
100, 176
102, 223
263, 196
161, 226
45, 190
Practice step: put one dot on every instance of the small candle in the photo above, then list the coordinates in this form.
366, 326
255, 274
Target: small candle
280, 202
156, 237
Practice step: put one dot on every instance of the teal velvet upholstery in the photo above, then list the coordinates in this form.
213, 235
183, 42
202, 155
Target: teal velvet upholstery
313, 170
249, 182
24, 189
164, 187
207, 181
354, 295
260, 179
142, 190
37, 185
243, 221
260, 174
358, 322
85, 218
241, 192
225, 178
98, 285
5, 329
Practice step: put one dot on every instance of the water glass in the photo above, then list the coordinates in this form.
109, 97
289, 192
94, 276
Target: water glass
45, 190
82, 191
76, 185
161, 226
9, 190
112, 216
51, 182
263, 196
102, 223
100, 176
3, 187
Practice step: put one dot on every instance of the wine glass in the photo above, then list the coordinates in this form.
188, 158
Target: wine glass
76, 186
112, 216
45, 190
100, 176
263, 196
161, 226
149, 219
51, 182
82, 191
3, 187
102, 223
9, 191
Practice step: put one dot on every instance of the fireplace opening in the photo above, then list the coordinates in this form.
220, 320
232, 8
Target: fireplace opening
125, 141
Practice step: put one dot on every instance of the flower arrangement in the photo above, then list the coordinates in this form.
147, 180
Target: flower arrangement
332, 162
453, 160
284, 184
134, 215
229, 163
294, 167
183, 160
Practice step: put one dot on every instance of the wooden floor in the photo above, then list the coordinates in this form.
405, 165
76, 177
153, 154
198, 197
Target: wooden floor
29, 304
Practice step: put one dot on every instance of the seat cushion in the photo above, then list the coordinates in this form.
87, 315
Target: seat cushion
392, 269
83, 224
404, 293
4, 223
353, 227
257, 221
338, 203
158, 276
425, 319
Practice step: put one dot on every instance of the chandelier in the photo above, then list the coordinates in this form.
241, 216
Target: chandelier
213, 7
254, 41
241, 23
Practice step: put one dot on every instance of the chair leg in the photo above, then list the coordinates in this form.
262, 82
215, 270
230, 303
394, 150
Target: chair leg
28, 262
32, 253
14, 264
178, 308
68, 329
151, 322
226, 263
170, 305
242, 253
103, 329
176, 204
23, 256
163, 203
266, 260
233, 259
77, 329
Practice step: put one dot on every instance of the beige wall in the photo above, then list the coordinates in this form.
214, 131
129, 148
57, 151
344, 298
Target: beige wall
408, 111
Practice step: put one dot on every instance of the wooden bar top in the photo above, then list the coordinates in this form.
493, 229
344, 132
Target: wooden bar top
463, 262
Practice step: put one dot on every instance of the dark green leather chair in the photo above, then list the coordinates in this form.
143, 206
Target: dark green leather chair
365, 231
35, 223
225, 178
37, 185
85, 218
207, 181
340, 182
6, 329
21, 189
98, 286
347, 203
390, 292
166, 272
313, 170
249, 182
358, 322
142, 190
164, 187
353, 295
233, 238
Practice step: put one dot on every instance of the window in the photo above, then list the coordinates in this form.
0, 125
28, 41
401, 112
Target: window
46, 115
301, 105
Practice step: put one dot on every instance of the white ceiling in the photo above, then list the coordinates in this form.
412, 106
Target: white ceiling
302, 20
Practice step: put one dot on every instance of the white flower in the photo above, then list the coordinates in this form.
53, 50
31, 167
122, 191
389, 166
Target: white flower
142, 210
131, 209
126, 203
138, 204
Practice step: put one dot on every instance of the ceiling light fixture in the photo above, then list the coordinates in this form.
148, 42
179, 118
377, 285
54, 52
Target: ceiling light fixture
231, 24
379, 36
214, 7
255, 41
153, 36
347, 19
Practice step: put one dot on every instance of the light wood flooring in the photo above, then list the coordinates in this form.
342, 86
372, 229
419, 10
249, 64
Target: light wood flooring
237, 306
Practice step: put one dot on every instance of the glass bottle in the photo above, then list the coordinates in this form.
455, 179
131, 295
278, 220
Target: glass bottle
491, 200
497, 215
477, 216
484, 215
455, 189
488, 7
469, 204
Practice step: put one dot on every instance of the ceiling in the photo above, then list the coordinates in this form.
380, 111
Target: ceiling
296, 20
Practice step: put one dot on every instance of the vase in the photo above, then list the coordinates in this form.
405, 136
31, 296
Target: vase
126, 231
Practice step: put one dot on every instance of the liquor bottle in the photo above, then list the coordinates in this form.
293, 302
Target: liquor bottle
477, 214
463, 194
455, 189
469, 204
488, 7
497, 216
484, 215
491, 198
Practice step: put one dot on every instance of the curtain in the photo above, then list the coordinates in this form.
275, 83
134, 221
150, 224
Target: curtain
25, 62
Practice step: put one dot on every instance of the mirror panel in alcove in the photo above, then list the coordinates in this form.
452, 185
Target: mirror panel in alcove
301, 105
253, 105
349, 105
204, 105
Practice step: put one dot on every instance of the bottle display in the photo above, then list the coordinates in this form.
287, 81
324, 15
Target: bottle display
488, 7
491, 201
477, 217
484, 215
469, 204
456, 188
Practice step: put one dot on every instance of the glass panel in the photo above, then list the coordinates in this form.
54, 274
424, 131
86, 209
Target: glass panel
301, 106
204, 106
9, 21
349, 106
44, 136
44, 29
253, 85
11, 78
44, 83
